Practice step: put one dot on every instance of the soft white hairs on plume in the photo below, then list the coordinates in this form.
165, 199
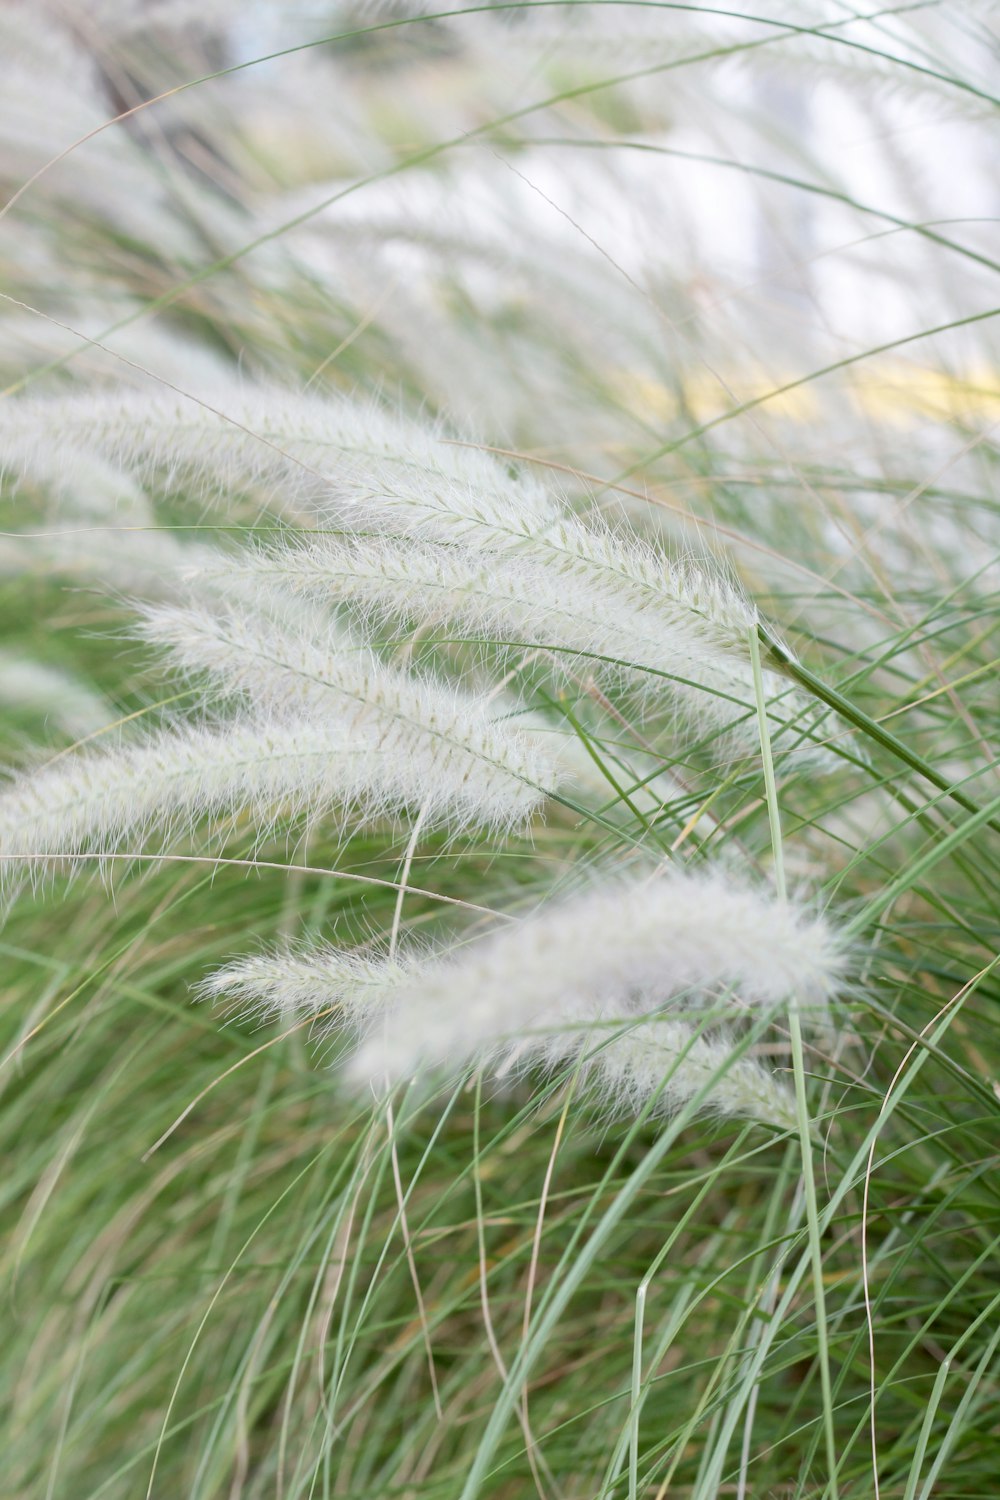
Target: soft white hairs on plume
97, 802
118, 558
484, 769
522, 598
379, 468
76, 481
665, 1059
677, 938
100, 803
143, 560
710, 615
531, 991
372, 471
107, 531
625, 1060
337, 991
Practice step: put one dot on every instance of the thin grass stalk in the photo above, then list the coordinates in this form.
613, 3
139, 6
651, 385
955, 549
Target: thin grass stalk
968, 1395
799, 1070
638, 1394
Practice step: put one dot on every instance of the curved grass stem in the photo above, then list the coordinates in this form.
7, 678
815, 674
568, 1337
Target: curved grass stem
798, 1065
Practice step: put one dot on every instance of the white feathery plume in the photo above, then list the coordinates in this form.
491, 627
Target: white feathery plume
703, 615
665, 1059
536, 572
370, 471
678, 938
107, 532
385, 473
626, 1062
143, 560
518, 598
335, 990
94, 803
74, 481
534, 991
383, 469
132, 556
486, 770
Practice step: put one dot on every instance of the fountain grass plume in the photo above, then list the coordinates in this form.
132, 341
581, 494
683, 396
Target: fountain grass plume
274, 771
523, 597
65, 701
659, 1062
336, 991
699, 946
626, 1062
308, 451
678, 938
366, 470
487, 770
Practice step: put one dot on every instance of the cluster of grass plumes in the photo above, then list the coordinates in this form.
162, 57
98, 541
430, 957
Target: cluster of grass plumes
331, 731
442, 533
498, 591
631, 990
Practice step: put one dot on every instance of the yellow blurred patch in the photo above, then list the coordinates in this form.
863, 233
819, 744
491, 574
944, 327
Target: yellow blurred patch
897, 393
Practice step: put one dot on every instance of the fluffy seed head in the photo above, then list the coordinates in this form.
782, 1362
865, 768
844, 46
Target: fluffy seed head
680, 939
526, 597
272, 770
663, 1059
621, 981
336, 991
482, 770
367, 465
